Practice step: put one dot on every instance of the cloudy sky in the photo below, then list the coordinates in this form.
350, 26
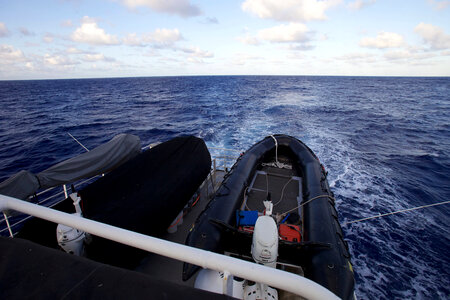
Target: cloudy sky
121, 38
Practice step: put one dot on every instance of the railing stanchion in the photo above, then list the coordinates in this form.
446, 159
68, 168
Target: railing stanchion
65, 191
7, 224
214, 173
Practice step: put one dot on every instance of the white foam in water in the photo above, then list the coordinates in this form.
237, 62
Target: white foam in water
363, 189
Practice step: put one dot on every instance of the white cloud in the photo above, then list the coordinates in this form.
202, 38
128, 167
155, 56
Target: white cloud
411, 55
48, 37
30, 66
132, 40
301, 47
397, 55
289, 10
182, 8
241, 59
296, 34
26, 32
357, 58
73, 50
249, 40
383, 40
3, 30
433, 35
360, 4
164, 36
210, 20
10, 55
323, 37
67, 23
197, 52
292, 33
97, 57
160, 38
439, 5
90, 33
58, 60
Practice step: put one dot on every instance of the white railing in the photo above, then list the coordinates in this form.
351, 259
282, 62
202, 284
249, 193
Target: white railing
6, 227
223, 157
206, 259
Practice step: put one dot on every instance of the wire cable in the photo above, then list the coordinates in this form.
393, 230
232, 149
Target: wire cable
306, 202
396, 212
282, 191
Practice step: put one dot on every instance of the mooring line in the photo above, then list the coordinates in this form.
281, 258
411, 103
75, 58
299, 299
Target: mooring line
78, 142
396, 212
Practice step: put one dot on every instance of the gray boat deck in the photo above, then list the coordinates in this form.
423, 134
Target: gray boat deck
284, 187
170, 269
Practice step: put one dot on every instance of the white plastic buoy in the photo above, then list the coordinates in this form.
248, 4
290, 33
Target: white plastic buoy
71, 239
265, 242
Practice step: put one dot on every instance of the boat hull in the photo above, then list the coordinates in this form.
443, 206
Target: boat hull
329, 264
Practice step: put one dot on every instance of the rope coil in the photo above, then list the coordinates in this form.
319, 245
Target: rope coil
277, 164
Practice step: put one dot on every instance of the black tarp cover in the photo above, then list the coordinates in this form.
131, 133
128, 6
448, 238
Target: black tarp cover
101, 159
147, 193
31, 271
21, 185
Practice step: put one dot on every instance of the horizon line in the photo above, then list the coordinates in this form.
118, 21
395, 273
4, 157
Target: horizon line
235, 75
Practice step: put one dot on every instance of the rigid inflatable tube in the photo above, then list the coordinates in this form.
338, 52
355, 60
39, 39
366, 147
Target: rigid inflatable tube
328, 267
227, 200
204, 234
320, 224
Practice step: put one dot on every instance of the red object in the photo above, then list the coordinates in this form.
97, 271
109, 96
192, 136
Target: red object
248, 229
290, 233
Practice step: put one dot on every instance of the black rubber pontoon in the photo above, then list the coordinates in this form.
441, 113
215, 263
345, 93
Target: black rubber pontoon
323, 254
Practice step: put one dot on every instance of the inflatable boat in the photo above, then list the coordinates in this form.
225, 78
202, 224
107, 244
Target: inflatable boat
275, 207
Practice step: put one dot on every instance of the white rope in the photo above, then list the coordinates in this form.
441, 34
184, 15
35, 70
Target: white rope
276, 148
277, 164
306, 202
282, 191
396, 212
78, 142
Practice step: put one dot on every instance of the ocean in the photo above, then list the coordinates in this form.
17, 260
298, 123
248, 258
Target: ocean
385, 142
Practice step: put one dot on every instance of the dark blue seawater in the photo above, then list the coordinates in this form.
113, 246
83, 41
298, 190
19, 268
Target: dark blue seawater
384, 141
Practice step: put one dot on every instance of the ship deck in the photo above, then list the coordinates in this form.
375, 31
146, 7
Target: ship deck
156, 265
284, 187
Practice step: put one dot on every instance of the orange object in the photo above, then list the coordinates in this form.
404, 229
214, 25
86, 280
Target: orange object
290, 233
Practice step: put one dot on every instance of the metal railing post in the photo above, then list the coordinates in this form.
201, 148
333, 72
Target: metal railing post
7, 224
65, 191
214, 172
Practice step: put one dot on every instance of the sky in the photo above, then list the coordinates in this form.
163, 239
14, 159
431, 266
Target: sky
49, 39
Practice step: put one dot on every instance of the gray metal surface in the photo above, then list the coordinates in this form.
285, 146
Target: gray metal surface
283, 185
155, 265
